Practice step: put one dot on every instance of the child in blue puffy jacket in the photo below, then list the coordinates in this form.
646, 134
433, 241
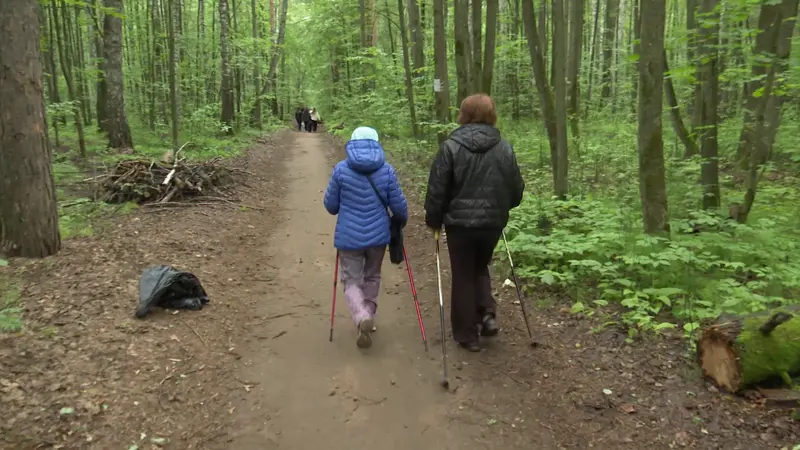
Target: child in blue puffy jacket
362, 228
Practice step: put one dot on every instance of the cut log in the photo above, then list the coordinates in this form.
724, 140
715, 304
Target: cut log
780, 398
739, 351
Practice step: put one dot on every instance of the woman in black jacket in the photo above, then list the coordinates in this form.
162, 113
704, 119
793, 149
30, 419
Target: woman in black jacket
298, 117
474, 182
306, 116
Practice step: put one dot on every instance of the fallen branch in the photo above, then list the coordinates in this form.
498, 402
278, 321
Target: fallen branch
150, 181
195, 332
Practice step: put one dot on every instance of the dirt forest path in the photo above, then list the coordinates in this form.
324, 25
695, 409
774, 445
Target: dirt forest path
317, 394
254, 369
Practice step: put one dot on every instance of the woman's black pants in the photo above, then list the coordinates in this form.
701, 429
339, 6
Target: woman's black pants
471, 290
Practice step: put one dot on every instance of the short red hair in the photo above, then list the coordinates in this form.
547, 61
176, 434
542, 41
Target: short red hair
478, 108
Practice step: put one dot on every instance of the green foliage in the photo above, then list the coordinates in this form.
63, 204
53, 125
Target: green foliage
10, 308
597, 253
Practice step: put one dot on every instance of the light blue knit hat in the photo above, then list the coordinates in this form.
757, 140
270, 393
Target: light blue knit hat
364, 133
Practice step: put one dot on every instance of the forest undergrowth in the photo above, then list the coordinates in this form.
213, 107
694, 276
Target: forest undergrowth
591, 248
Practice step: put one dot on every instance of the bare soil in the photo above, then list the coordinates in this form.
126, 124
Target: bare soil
254, 369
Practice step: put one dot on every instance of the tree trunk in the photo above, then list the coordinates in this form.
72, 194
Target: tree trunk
737, 352
100, 85
491, 42
462, 48
269, 86
66, 68
51, 62
174, 100
609, 42
513, 77
708, 77
441, 85
226, 87
255, 118
592, 59
777, 23
417, 37
675, 112
542, 86
637, 35
362, 21
477, 28
407, 68
28, 208
560, 85
573, 73
652, 182
116, 122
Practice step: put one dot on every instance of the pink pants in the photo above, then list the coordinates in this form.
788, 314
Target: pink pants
361, 277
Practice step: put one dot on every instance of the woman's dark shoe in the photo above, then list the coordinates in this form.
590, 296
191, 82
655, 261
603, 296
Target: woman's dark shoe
470, 346
489, 328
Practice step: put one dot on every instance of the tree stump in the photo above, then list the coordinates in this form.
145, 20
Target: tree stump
739, 351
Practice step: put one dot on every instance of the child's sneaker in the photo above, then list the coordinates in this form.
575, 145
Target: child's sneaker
365, 327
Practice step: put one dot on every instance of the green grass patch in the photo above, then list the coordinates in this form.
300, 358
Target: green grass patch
10, 302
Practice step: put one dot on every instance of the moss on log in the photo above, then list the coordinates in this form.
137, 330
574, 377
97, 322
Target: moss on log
736, 352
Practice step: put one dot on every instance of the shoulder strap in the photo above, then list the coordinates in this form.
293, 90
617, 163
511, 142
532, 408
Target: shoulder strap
375, 188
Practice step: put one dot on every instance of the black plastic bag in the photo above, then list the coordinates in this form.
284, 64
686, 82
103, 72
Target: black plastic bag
396, 255
167, 287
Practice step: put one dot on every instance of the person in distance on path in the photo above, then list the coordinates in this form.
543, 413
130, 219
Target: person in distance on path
306, 117
474, 182
298, 117
362, 226
314, 119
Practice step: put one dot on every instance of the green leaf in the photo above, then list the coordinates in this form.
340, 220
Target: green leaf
3, 263
548, 278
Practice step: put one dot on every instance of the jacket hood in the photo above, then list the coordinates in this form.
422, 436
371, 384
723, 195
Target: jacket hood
476, 137
364, 155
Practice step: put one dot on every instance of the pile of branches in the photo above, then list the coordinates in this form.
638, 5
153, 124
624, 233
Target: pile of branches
149, 181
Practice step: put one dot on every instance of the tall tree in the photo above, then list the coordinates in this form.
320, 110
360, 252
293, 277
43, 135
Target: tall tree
462, 48
652, 179
441, 85
174, 100
491, 41
560, 85
407, 68
65, 59
417, 36
28, 209
477, 30
542, 86
226, 68
708, 79
115, 122
764, 103
255, 118
609, 44
574, 64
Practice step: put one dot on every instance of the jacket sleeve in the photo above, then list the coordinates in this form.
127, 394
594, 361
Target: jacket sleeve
331, 200
517, 183
397, 201
438, 188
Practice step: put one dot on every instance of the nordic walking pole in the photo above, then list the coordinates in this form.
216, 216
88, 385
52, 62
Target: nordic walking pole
445, 382
335, 280
519, 294
416, 302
